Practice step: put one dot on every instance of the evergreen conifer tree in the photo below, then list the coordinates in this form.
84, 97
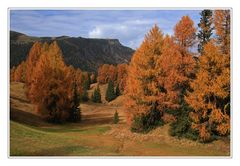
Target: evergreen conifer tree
75, 114
206, 28
96, 96
117, 91
110, 94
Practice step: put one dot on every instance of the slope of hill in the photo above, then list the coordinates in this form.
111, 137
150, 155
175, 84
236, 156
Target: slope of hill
95, 135
84, 53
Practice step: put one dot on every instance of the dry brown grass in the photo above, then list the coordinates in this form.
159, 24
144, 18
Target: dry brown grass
103, 89
96, 134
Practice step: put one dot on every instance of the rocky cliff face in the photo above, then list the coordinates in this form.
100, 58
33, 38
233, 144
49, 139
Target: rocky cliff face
84, 53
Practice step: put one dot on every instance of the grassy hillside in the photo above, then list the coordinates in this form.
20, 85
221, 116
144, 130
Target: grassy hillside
96, 135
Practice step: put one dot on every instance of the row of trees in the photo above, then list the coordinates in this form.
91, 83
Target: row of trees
57, 89
116, 74
54, 87
22, 73
165, 77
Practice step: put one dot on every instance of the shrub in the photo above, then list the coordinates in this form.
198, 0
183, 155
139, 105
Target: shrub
75, 115
182, 126
116, 118
146, 122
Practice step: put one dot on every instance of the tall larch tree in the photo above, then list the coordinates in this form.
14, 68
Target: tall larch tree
185, 32
122, 71
209, 91
222, 23
174, 70
20, 72
48, 88
79, 81
73, 78
206, 28
32, 59
103, 74
185, 38
142, 90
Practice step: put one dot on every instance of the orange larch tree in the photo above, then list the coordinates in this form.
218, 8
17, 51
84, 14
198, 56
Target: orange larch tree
48, 87
122, 71
73, 78
32, 59
184, 37
210, 90
103, 74
173, 74
185, 32
20, 72
142, 90
222, 23
112, 73
107, 72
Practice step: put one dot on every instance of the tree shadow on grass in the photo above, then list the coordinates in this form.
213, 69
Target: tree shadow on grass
27, 118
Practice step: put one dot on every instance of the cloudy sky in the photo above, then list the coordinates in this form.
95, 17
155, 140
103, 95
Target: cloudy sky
129, 26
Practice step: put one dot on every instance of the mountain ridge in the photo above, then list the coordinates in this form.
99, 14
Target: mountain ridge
84, 53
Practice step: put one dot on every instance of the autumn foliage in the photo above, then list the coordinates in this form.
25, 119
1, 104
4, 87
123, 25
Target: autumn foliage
184, 32
51, 85
48, 87
122, 72
106, 72
222, 24
157, 73
164, 76
19, 73
206, 28
117, 74
165, 82
210, 91
142, 85
32, 60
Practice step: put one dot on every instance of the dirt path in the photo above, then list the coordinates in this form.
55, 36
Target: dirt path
93, 113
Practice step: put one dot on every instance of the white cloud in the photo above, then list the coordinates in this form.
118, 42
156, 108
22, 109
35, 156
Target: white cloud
129, 32
127, 26
96, 33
